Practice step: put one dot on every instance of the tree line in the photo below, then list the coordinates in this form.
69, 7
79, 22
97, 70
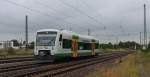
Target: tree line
123, 45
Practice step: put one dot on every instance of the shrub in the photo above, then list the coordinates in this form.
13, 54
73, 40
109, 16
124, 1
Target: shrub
146, 50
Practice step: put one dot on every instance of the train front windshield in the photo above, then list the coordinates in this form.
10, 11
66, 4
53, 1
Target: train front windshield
46, 38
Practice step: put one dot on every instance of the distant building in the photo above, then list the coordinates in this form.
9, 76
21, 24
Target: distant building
8, 44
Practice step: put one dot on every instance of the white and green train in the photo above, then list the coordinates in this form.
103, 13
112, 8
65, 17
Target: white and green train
52, 44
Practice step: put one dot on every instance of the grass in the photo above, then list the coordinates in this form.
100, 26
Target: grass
135, 65
113, 50
10, 52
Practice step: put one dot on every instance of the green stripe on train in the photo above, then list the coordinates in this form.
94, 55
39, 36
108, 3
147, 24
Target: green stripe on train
60, 56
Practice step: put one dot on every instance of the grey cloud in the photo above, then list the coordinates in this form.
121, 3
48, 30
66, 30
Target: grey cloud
111, 13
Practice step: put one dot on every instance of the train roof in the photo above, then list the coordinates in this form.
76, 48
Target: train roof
74, 33
48, 30
67, 32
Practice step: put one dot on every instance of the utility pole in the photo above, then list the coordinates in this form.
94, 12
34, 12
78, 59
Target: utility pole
26, 32
117, 40
140, 38
70, 28
145, 32
89, 32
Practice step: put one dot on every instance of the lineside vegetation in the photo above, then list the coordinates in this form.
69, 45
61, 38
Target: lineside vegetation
10, 52
135, 65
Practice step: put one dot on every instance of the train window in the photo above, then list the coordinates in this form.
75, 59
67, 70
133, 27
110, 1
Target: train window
67, 44
96, 46
80, 46
60, 38
86, 46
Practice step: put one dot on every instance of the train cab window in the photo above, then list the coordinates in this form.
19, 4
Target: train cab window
60, 38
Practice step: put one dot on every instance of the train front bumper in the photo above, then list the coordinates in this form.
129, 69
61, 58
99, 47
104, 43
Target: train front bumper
47, 58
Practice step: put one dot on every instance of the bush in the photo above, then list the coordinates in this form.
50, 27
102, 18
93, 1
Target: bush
145, 50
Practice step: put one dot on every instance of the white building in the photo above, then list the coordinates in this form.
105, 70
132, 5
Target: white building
7, 44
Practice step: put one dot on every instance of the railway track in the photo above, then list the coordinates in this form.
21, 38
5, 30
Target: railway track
55, 69
66, 69
19, 65
18, 59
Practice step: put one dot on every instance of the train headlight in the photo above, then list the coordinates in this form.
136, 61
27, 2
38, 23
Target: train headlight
42, 53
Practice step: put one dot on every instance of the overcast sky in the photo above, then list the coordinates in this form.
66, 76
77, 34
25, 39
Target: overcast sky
108, 20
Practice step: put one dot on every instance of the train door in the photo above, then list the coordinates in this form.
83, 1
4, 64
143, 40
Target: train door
93, 47
74, 47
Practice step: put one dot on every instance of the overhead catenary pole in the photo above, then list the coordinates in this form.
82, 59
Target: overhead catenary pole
70, 28
26, 32
140, 38
117, 40
89, 32
145, 31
